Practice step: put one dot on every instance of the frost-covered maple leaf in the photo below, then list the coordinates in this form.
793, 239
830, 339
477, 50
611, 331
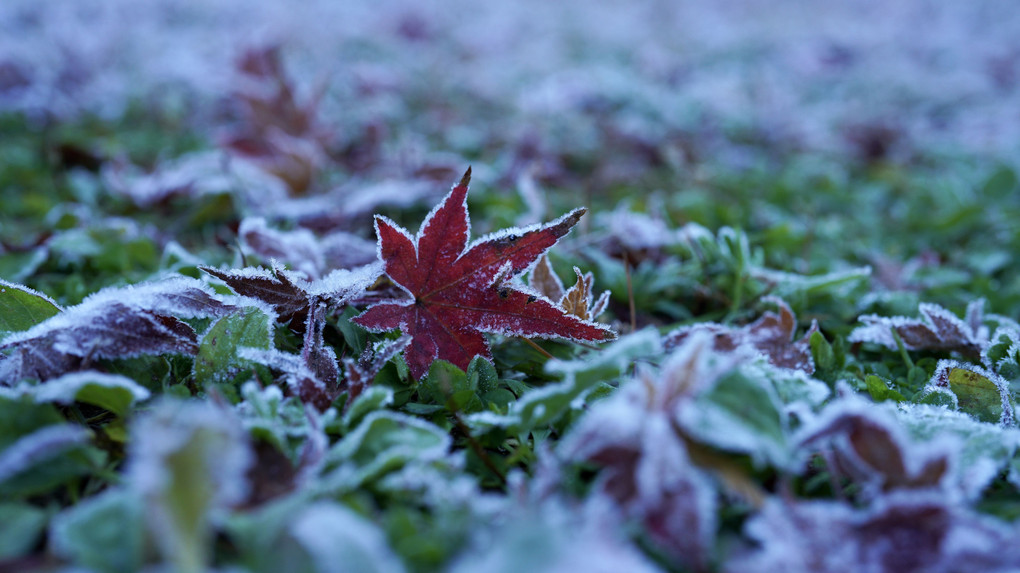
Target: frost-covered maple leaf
460, 290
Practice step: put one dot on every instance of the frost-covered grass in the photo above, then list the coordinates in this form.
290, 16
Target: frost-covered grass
805, 217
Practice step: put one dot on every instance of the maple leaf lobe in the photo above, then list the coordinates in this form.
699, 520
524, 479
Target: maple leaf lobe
458, 290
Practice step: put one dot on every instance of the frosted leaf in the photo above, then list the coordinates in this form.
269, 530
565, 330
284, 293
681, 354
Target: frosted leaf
637, 235
1003, 353
279, 133
217, 358
544, 280
646, 469
112, 323
937, 329
382, 443
189, 462
738, 412
545, 405
190, 176
772, 335
105, 532
457, 290
22, 308
979, 392
39, 447
360, 198
553, 537
290, 294
298, 248
341, 285
906, 532
286, 291
867, 444
282, 421
360, 374
114, 392
791, 284
340, 540
303, 251
792, 386
984, 451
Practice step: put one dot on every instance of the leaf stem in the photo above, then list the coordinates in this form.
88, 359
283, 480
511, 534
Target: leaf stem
630, 293
475, 446
538, 348
902, 348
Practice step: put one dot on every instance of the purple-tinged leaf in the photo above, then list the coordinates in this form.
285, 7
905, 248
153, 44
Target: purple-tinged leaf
303, 251
937, 329
772, 335
905, 532
112, 323
867, 445
290, 295
286, 292
646, 465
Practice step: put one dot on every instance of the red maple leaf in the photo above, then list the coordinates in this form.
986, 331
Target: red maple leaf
458, 291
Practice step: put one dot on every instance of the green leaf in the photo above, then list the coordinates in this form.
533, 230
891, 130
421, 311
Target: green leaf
739, 413
20, 527
22, 308
372, 399
979, 392
383, 442
217, 359
447, 385
880, 391
984, 449
104, 533
108, 391
545, 405
482, 375
821, 351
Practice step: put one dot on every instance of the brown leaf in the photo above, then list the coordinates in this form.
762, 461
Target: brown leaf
937, 329
772, 335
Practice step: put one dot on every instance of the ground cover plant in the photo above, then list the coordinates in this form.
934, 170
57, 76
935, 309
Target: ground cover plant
437, 308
